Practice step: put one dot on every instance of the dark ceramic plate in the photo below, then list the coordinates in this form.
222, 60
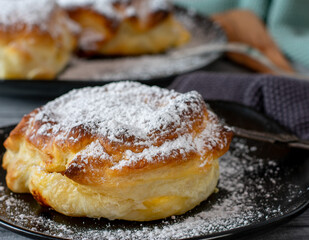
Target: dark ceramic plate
261, 185
149, 68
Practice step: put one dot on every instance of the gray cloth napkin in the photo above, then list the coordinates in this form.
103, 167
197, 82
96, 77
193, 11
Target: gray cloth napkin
283, 99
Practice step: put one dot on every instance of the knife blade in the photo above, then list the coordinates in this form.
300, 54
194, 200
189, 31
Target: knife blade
289, 139
242, 48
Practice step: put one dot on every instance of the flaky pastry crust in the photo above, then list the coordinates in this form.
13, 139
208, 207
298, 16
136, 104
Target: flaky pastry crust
128, 27
123, 151
35, 50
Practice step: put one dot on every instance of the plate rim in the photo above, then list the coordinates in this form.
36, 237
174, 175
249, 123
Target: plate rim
275, 221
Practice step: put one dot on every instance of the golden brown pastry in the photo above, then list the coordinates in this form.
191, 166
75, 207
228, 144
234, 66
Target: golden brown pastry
125, 27
121, 151
35, 39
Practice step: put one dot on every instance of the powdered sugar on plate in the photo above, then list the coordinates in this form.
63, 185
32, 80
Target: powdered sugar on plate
251, 190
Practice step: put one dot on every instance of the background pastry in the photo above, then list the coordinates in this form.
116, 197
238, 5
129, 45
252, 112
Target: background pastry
122, 151
35, 39
125, 27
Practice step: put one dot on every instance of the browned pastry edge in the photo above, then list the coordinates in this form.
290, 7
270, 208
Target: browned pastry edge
105, 35
45, 50
83, 173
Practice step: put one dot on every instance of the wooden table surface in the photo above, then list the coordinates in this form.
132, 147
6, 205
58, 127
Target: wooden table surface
13, 108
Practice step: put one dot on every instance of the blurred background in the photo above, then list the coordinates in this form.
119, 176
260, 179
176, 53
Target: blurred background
286, 22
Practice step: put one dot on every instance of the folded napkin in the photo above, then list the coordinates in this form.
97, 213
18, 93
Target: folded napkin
283, 99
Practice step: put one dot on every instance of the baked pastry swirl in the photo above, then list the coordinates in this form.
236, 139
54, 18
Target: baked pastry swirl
121, 151
36, 39
125, 27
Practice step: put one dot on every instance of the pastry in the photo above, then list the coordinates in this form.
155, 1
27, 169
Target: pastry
121, 151
36, 39
125, 27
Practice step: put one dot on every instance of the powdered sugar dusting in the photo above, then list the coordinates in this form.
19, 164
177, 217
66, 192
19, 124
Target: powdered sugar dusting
183, 144
159, 4
117, 109
102, 6
157, 121
94, 150
106, 7
251, 190
29, 12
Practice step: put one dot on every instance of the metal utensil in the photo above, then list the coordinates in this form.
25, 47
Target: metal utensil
289, 139
236, 48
